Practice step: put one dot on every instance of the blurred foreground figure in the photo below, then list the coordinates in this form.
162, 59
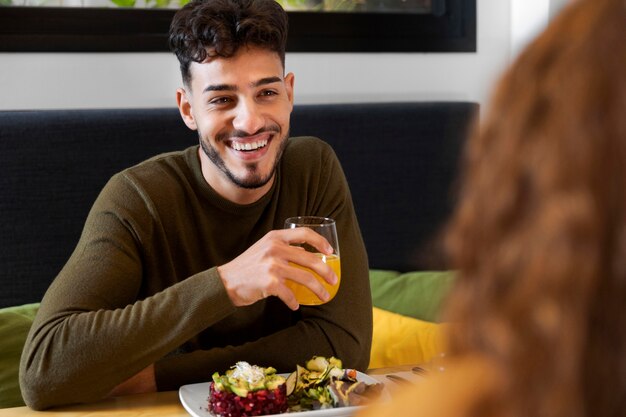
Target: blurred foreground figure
539, 237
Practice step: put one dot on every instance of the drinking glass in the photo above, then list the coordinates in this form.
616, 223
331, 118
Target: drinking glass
327, 228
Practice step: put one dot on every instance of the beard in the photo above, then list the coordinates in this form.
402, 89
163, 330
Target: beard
254, 179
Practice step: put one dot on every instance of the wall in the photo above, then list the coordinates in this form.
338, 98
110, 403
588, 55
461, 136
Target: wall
67, 80
528, 18
556, 6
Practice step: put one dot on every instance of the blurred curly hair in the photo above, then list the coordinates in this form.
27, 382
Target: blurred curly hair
208, 28
539, 236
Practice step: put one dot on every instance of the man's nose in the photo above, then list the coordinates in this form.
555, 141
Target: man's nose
248, 117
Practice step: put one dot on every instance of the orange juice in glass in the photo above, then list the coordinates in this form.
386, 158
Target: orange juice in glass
327, 228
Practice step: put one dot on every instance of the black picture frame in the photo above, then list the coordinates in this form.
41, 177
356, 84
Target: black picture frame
450, 28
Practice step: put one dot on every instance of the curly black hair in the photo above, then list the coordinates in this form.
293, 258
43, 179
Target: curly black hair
207, 28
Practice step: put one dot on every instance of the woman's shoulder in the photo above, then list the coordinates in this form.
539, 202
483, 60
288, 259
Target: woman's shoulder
465, 386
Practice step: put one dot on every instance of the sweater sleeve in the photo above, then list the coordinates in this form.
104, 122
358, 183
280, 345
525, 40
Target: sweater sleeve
342, 327
84, 339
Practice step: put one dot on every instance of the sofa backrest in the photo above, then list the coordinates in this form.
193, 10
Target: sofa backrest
400, 160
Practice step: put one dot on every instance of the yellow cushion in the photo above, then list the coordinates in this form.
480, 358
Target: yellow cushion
402, 340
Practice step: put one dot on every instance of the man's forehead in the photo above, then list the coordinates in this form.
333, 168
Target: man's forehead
231, 70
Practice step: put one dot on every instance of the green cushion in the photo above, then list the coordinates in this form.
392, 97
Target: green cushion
418, 294
15, 323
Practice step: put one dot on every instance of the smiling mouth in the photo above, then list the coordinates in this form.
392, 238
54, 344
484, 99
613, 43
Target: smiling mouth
249, 146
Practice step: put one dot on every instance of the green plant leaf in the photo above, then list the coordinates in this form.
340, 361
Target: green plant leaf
161, 3
340, 5
124, 3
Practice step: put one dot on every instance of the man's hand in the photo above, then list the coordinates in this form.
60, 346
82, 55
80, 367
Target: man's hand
261, 270
142, 382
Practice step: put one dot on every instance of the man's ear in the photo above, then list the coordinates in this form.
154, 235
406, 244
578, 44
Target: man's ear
184, 107
289, 82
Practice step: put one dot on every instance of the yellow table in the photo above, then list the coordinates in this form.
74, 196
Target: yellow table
158, 404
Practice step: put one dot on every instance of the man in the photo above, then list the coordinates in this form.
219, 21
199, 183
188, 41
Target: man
181, 267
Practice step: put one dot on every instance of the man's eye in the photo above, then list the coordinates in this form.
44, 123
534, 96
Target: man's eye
220, 100
267, 93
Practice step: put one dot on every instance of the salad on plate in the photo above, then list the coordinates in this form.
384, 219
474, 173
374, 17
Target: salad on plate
322, 383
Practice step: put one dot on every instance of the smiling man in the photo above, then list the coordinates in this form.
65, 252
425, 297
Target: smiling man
182, 265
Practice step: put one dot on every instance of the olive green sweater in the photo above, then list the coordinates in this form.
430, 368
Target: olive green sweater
142, 287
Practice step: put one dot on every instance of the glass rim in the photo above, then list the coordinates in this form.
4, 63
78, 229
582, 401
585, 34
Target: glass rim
312, 221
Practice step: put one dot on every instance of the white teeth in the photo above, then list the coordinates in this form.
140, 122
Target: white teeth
249, 146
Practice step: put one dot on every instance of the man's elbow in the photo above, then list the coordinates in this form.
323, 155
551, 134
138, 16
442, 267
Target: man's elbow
364, 343
363, 361
34, 392
42, 389
357, 351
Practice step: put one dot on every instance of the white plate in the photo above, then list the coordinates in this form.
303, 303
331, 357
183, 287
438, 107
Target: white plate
194, 398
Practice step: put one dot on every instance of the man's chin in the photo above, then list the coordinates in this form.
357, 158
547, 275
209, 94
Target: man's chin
251, 182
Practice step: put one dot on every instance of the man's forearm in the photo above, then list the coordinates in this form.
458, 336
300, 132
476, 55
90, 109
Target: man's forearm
82, 357
282, 350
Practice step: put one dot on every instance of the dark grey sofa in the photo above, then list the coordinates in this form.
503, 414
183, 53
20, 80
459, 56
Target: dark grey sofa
400, 160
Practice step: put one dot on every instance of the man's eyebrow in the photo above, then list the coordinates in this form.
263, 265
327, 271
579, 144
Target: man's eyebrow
228, 87
219, 87
266, 80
